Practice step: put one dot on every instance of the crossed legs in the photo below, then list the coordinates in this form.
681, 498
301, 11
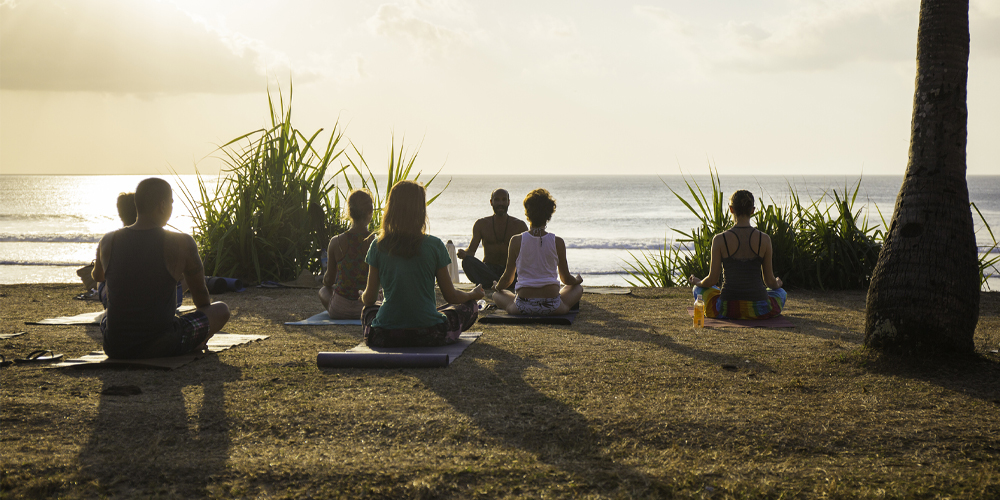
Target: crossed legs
569, 295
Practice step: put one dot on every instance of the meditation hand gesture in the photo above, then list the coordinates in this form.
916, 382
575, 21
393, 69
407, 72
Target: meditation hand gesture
460, 253
478, 293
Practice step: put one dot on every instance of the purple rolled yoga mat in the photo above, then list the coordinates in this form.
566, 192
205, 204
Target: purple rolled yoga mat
381, 360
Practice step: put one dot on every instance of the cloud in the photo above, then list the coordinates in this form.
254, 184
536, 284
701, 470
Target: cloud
123, 46
984, 27
667, 20
553, 28
820, 36
401, 21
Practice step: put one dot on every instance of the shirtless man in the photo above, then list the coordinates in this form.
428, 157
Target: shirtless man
142, 265
495, 232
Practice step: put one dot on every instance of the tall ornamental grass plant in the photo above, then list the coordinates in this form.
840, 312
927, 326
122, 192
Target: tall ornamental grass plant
815, 245
277, 203
274, 206
831, 247
399, 168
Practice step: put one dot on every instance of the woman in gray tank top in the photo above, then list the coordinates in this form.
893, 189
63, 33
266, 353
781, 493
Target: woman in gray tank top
741, 262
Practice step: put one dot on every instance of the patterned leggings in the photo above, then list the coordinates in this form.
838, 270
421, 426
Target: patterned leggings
458, 318
715, 307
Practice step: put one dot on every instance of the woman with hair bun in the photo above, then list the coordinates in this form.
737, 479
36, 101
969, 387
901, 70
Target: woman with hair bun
404, 262
347, 271
539, 260
741, 259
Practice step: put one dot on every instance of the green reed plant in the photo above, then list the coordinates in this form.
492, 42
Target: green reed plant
813, 246
399, 168
650, 269
989, 259
272, 212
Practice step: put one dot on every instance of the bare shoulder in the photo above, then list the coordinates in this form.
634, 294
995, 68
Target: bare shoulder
518, 223
560, 242
483, 221
106, 239
181, 241
765, 239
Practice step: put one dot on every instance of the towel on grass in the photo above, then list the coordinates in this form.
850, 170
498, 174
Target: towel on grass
218, 343
323, 318
91, 318
502, 317
775, 322
362, 356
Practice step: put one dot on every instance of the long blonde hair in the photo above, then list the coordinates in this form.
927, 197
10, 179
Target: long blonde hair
404, 221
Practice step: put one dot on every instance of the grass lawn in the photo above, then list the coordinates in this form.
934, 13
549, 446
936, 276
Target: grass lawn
630, 401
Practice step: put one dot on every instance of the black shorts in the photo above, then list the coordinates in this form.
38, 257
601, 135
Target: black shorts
188, 333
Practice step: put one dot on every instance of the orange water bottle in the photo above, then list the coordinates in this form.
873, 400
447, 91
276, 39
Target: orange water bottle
699, 312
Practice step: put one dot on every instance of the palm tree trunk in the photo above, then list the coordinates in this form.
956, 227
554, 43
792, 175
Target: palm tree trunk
924, 294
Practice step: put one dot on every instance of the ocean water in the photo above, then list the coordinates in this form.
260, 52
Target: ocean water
49, 225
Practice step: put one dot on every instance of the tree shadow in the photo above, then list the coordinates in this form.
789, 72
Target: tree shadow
974, 376
149, 436
637, 331
504, 405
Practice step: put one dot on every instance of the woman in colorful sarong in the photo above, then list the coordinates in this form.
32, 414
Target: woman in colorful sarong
538, 258
347, 272
741, 259
404, 262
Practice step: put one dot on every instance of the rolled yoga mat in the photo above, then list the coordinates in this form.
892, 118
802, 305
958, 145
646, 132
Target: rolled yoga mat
381, 360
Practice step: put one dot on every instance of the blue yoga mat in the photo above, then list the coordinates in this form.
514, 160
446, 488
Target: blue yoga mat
218, 284
323, 318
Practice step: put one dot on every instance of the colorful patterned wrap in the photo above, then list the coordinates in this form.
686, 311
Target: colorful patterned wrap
715, 307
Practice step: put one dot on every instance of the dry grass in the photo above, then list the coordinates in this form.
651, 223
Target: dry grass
628, 402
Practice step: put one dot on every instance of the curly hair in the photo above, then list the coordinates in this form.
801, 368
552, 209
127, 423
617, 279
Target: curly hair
539, 207
742, 202
404, 220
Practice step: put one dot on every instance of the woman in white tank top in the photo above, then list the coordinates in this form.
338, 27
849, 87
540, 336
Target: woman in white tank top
538, 258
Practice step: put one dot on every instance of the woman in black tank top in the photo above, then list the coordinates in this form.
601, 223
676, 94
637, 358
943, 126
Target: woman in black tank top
741, 264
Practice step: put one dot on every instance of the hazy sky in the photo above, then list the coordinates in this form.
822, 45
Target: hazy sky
526, 87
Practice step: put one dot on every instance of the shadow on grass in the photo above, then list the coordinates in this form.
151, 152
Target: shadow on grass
974, 376
160, 440
605, 323
501, 403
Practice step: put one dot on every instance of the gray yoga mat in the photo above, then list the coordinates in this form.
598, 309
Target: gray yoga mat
502, 317
602, 290
91, 318
607, 290
362, 356
218, 343
323, 318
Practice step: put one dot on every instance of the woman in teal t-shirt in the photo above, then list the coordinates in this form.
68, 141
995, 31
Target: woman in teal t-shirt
404, 261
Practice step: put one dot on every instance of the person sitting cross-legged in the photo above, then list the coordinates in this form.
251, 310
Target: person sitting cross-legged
347, 271
741, 259
495, 233
405, 262
141, 265
539, 259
